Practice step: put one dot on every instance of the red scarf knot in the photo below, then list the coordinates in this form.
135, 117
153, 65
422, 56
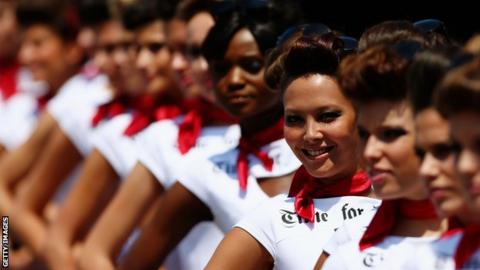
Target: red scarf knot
110, 109
388, 215
8, 79
305, 188
147, 110
469, 244
252, 145
201, 112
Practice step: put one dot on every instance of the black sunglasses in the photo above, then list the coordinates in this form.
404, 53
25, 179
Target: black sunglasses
152, 47
111, 47
407, 49
350, 44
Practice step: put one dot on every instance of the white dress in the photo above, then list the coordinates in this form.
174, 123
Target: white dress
293, 242
390, 254
215, 182
439, 255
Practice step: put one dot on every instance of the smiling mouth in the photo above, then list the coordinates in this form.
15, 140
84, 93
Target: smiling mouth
317, 152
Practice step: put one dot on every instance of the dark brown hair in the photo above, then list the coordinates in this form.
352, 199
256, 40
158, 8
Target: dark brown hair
303, 56
378, 73
460, 89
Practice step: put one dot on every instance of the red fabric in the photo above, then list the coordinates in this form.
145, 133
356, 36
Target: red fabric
8, 79
305, 188
43, 101
110, 109
201, 113
468, 245
148, 109
251, 145
389, 213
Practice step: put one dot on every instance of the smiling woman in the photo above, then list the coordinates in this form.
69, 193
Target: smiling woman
330, 187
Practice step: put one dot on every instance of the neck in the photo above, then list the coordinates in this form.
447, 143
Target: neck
420, 228
253, 124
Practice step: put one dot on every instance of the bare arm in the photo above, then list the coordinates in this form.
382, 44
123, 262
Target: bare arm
39, 186
93, 188
240, 250
321, 260
127, 208
15, 165
178, 213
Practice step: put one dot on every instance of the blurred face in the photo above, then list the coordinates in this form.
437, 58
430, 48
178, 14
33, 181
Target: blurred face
320, 127
48, 57
154, 58
437, 166
177, 39
197, 78
115, 58
466, 131
8, 30
241, 89
387, 131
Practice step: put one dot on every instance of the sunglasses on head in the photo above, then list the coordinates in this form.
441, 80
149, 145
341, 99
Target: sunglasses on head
350, 44
407, 49
429, 25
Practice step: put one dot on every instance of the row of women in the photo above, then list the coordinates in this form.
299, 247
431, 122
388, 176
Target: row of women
232, 135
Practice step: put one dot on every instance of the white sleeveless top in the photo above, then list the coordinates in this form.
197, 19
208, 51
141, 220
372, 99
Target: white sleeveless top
439, 255
392, 253
117, 148
157, 150
215, 182
351, 230
74, 108
293, 242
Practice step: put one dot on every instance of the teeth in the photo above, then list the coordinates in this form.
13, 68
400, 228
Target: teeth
317, 152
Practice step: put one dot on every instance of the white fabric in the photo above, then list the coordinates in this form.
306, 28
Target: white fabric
158, 149
75, 106
391, 254
439, 255
19, 117
351, 230
117, 148
293, 242
215, 181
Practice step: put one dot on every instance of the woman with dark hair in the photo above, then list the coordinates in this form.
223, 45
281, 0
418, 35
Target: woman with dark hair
329, 188
225, 186
458, 99
376, 81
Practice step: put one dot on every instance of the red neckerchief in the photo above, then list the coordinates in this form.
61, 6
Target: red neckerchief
149, 109
468, 245
389, 213
8, 79
251, 145
201, 113
111, 109
42, 101
305, 188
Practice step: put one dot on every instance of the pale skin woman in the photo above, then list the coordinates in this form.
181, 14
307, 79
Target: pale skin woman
103, 243
326, 121
437, 150
242, 91
74, 218
51, 58
466, 131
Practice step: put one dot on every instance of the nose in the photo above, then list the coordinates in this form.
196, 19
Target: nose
26, 54
144, 59
468, 164
312, 131
179, 62
429, 169
235, 79
373, 149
